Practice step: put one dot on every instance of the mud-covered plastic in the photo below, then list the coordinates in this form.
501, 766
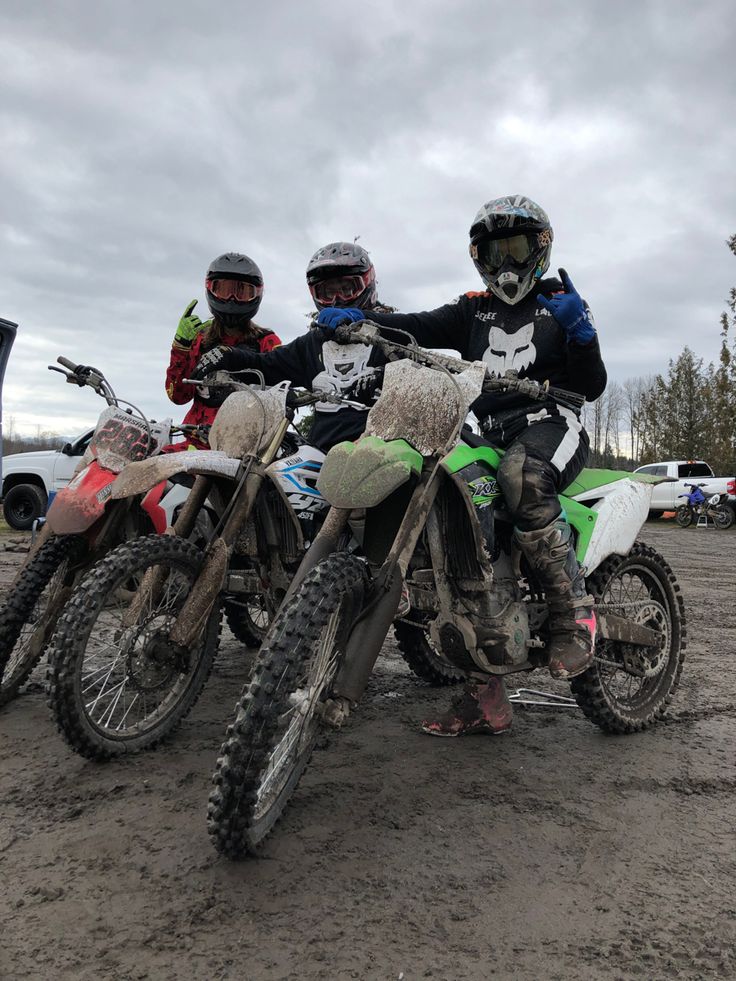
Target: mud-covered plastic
424, 406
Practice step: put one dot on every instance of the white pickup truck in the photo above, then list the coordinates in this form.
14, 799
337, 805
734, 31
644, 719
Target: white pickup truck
31, 479
682, 472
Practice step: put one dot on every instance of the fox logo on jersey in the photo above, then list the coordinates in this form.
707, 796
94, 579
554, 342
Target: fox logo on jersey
506, 351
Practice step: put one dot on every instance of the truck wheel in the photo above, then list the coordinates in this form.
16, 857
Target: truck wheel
23, 504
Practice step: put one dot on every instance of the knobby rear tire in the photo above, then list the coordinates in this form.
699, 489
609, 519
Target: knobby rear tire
591, 689
21, 649
67, 656
332, 593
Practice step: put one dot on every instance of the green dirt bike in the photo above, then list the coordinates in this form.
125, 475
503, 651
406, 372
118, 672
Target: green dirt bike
435, 519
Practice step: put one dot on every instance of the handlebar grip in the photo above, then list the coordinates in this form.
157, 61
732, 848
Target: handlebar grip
66, 363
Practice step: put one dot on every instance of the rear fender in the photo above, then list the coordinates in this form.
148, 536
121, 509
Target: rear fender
82, 502
364, 473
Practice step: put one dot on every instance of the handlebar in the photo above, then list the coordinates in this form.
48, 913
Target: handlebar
66, 363
368, 333
85, 375
295, 398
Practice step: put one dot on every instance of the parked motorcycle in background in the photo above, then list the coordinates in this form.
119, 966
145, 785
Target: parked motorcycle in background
698, 506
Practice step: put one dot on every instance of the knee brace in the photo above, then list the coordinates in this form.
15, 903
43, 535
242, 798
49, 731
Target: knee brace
529, 486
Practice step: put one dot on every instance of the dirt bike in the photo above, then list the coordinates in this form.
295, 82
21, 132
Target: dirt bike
435, 519
82, 524
127, 667
698, 506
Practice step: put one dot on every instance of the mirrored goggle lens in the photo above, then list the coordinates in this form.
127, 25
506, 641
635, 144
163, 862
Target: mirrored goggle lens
494, 252
233, 289
343, 288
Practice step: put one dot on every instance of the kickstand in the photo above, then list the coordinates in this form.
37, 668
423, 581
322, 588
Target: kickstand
542, 699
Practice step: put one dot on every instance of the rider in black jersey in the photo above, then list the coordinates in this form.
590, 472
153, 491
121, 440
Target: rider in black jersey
544, 330
340, 274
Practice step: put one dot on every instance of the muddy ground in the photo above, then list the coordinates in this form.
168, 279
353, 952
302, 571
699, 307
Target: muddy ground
553, 852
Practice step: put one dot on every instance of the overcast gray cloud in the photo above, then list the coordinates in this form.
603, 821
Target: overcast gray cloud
139, 140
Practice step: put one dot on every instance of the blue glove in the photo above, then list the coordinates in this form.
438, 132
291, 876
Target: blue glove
570, 312
332, 317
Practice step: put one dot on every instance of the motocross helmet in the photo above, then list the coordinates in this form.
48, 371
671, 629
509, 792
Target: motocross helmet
510, 245
342, 275
234, 286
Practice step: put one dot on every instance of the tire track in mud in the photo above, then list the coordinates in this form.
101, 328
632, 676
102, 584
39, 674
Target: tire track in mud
552, 852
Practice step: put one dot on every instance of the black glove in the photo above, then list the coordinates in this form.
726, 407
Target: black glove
366, 389
224, 358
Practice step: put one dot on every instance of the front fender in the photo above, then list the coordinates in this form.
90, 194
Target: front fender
364, 473
77, 506
140, 477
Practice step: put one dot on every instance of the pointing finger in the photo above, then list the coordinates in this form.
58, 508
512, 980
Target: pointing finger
566, 282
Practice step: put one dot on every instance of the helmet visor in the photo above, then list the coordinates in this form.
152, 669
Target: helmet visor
493, 252
340, 289
233, 289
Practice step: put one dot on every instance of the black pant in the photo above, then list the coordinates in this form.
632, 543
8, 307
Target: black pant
539, 463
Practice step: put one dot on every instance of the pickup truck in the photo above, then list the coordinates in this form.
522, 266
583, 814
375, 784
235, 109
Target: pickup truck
30, 480
680, 473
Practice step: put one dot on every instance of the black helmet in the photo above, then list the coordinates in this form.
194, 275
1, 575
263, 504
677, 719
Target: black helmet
510, 244
342, 275
234, 287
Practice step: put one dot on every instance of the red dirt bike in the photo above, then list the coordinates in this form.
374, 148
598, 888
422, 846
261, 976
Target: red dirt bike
83, 523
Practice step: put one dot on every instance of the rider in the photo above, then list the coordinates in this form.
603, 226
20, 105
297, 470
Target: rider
544, 330
234, 287
340, 274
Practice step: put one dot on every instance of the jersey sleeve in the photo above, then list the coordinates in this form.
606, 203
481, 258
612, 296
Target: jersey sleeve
447, 326
181, 365
585, 368
292, 362
269, 341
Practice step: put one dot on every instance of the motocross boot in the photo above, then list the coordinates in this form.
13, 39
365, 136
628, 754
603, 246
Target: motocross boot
572, 621
478, 708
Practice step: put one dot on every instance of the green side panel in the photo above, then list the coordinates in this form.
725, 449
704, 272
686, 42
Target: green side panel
364, 473
583, 520
462, 456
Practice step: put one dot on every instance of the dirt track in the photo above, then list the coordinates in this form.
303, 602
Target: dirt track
554, 852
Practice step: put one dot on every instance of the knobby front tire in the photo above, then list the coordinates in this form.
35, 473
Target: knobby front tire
117, 687
277, 719
25, 629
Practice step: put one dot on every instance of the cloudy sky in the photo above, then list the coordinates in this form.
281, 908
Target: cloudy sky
138, 140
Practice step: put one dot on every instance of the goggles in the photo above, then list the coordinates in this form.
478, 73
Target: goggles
342, 288
493, 252
233, 289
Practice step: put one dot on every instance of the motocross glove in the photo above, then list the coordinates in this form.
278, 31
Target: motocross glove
366, 389
224, 358
570, 312
189, 326
332, 317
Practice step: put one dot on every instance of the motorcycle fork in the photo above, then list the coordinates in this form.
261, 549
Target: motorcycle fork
369, 630
211, 579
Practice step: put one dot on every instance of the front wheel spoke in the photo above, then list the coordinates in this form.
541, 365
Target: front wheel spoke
107, 718
104, 682
105, 694
93, 678
120, 724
